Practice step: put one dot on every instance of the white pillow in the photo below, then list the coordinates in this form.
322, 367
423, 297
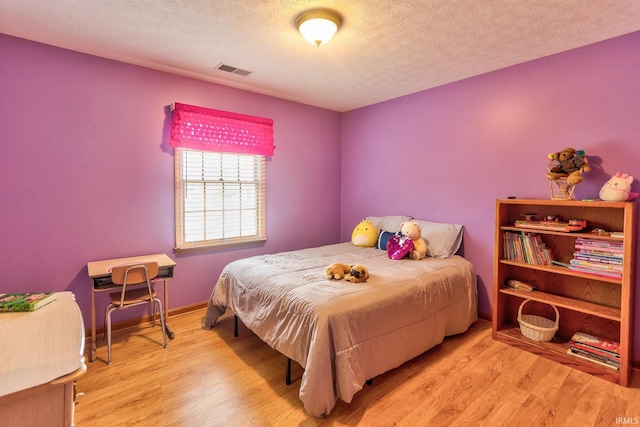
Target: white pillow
443, 240
390, 223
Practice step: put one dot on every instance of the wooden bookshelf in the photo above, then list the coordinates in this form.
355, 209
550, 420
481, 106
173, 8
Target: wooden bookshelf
595, 304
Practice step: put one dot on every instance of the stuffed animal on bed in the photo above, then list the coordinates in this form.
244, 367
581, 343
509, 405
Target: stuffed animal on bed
336, 271
399, 247
365, 234
413, 230
568, 163
357, 273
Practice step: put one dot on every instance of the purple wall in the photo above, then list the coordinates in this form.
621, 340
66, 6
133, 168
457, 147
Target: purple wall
86, 173
448, 153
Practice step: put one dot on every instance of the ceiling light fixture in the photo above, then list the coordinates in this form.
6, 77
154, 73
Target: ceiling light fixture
317, 26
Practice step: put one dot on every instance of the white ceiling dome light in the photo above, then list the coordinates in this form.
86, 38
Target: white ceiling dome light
317, 26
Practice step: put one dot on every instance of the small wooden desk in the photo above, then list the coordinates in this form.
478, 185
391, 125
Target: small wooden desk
42, 354
100, 273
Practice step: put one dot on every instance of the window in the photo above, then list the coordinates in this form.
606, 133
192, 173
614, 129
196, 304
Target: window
219, 197
220, 177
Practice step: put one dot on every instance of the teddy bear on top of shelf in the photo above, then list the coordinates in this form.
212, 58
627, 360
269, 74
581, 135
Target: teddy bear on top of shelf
568, 163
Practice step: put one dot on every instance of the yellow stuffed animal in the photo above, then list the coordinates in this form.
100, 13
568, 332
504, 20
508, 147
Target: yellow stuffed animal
413, 230
365, 234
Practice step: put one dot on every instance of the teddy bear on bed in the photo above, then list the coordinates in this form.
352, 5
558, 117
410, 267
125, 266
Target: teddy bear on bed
357, 274
352, 273
569, 163
336, 271
413, 230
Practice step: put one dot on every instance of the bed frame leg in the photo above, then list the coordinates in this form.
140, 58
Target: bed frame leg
235, 326
287, 376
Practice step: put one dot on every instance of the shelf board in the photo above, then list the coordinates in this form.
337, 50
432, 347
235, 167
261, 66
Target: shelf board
573, 304
556, 269
555, 350
586, 235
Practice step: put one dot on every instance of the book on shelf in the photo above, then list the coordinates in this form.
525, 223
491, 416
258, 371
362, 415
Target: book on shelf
597, 342
595, 272
566, 227
527, 248
595, 349
26, 301
600, 246
599, 242
601, 254
600, 250
592, 358
596, 265
597, 258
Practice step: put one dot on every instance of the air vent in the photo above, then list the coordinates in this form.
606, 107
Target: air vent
233, 70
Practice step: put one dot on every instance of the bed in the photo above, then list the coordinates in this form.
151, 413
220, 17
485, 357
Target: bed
343, 333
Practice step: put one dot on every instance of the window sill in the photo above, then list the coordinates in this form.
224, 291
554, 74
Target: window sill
219, 246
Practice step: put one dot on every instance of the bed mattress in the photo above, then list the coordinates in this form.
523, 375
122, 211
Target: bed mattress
345, 333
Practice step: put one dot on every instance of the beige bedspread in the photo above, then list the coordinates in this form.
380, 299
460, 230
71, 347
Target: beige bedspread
344, 333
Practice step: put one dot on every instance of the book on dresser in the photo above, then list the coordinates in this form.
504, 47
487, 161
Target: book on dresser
26, 301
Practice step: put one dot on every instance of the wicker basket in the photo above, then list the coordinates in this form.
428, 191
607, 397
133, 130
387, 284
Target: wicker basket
537, 328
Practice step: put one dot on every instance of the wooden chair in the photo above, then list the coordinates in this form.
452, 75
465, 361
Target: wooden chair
126, 276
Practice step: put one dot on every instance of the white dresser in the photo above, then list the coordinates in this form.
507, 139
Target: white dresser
41, 355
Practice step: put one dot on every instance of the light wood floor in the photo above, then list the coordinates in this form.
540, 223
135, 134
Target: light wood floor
210, 378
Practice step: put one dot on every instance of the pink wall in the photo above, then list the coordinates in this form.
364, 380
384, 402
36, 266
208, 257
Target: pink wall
448, 153
86, 174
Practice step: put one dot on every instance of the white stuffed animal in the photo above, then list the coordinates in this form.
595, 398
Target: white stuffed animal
618, 188
413, 230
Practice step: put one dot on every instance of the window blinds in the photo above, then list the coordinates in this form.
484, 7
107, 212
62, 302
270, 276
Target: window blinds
222, 198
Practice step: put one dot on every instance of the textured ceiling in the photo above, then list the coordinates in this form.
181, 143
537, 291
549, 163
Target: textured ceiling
385, 49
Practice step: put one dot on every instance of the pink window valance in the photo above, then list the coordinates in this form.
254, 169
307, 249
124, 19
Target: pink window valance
215, 130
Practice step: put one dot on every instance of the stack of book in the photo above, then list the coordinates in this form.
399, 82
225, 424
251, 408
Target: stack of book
602, 257
595, 349
29, 301
526, 247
